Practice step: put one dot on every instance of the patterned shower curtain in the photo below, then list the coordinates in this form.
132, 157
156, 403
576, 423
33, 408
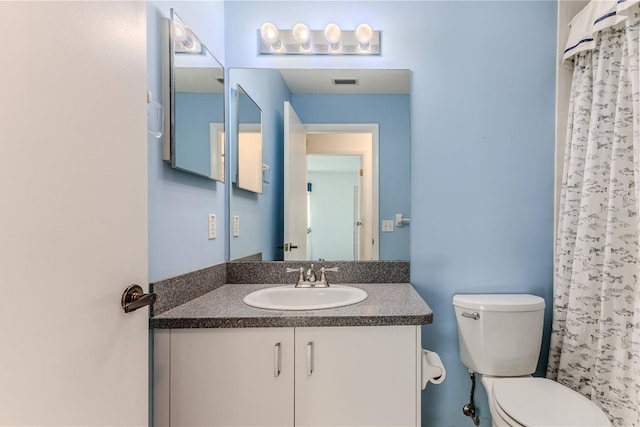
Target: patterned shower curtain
595, 342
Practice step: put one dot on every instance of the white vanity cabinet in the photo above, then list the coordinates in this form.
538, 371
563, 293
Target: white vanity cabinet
224, 377
337, 376
357, 376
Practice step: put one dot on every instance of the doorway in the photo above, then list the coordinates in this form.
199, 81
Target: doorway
334, 213
343, 196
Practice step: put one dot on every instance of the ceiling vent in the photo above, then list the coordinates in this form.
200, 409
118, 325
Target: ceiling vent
345, 82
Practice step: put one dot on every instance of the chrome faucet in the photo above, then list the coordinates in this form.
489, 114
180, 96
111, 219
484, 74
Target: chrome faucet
309, 279
311, 275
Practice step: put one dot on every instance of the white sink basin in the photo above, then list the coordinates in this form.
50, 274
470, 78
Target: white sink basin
292, 298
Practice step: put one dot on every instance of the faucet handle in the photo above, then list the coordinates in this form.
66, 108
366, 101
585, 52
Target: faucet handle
323, 278
300, 272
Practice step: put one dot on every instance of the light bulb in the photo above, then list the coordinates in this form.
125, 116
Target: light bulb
179, 32
269, 34
363, 35
332, 33
302, 35
192, 44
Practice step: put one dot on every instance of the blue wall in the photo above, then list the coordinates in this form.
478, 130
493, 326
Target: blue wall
482, 131
392, 113
482, 147
195, 112
179, 202
261, 215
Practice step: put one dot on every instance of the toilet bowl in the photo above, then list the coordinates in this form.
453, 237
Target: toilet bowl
500, 337
529, 401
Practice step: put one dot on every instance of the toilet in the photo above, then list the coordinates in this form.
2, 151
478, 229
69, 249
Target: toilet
500, 337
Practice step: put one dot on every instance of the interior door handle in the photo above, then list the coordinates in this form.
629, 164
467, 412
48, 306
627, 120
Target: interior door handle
287, 246
134, 298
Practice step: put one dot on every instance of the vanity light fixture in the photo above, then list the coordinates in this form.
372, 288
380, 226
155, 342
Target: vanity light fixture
184, 40
332, 40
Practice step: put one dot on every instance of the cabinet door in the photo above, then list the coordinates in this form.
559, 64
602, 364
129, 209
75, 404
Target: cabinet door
357, 376
229, 377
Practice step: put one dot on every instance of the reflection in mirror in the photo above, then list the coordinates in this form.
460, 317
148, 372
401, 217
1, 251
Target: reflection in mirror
352, 158
249, 137
334, 193
194, 81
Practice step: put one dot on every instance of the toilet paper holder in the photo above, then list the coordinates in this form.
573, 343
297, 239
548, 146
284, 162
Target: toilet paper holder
432, 368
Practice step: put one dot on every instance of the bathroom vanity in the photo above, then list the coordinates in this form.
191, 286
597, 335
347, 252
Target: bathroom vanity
218, 361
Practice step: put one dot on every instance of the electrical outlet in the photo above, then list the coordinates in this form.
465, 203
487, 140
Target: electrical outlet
236, 226
212, 226
387, 225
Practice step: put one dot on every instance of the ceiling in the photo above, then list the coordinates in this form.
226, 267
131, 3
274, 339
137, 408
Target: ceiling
305, 80
199, 79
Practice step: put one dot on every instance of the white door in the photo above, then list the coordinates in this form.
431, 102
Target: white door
73, 221
295, 186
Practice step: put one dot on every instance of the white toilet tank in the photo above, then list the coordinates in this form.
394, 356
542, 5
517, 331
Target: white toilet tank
499, 334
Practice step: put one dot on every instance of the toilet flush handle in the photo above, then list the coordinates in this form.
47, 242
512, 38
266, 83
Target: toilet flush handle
475, 315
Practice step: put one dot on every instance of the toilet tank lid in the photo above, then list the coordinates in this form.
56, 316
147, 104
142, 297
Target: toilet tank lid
499, 302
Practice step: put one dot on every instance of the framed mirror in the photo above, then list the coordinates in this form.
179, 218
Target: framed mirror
249, 142
335, 196
193, 85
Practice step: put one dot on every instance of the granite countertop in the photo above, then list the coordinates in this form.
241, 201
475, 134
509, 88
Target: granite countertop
387, 304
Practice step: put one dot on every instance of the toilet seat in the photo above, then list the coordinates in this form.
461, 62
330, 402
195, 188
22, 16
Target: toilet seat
543, 402
503, 417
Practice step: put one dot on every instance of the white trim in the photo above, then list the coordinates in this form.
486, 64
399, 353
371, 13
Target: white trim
216, 151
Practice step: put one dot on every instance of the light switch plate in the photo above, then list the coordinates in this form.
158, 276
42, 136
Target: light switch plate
212, 226
236, 226
387, 225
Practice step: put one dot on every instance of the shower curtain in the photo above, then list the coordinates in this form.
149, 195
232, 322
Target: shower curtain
595, 341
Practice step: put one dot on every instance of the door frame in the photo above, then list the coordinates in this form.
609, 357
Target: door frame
373, 129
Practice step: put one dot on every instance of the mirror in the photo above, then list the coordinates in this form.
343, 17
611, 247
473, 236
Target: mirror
352, 133
249, 142
193, 83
